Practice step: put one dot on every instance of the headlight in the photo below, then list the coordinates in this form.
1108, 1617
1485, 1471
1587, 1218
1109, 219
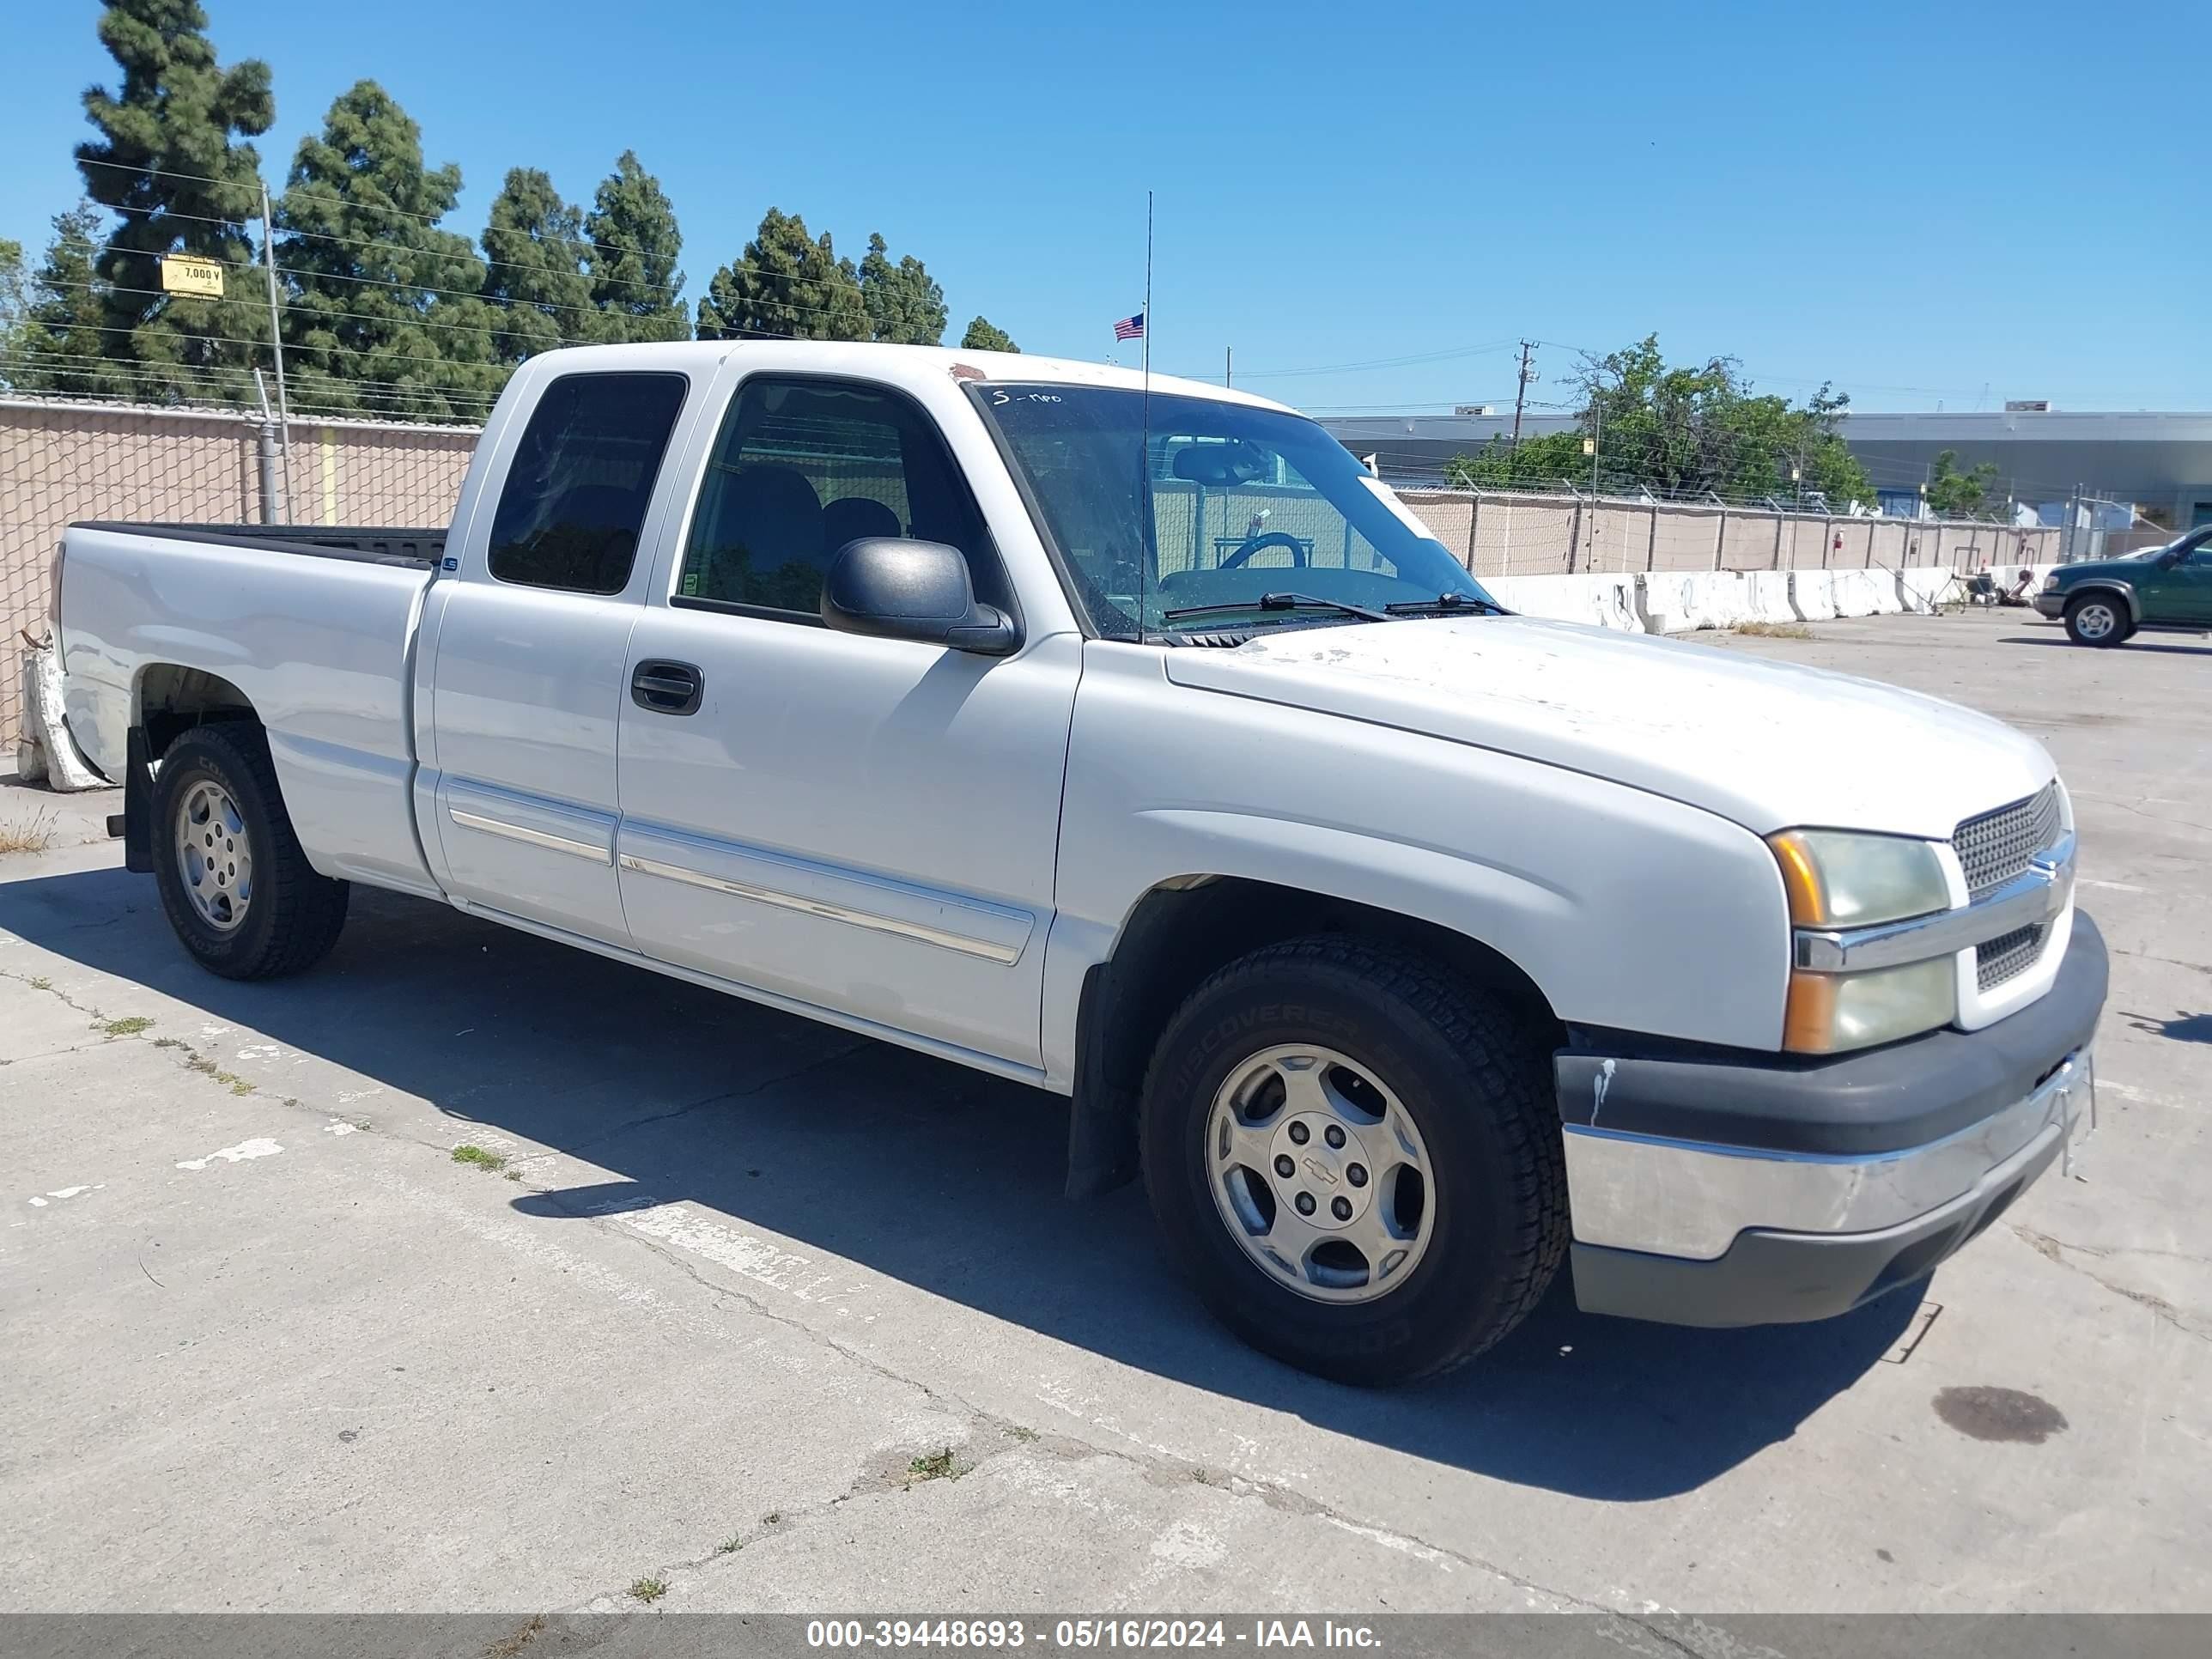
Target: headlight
1840, 880
2051, 583
1837, 879
1830, 1013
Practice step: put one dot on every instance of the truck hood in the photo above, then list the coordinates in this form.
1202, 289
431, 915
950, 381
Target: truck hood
1770, 745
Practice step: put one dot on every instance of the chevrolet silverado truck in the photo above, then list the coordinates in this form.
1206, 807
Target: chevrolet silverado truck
1126, 738
2105, 601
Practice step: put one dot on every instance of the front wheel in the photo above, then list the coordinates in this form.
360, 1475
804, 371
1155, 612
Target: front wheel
1355, 1158
2097, 619
238, 889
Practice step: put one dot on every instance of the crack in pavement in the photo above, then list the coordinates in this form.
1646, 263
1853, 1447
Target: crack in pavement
1270, 1493
2054, 1249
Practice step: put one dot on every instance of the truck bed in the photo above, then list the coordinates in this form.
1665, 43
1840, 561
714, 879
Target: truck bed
420, 547
311, 626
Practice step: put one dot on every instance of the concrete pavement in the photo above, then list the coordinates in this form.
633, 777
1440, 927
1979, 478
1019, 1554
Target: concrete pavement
718, 1290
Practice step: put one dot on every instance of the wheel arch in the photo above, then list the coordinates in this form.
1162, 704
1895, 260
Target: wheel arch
1183, 930
168, 699
2124, 591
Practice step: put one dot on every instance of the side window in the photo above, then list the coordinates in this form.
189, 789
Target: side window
583, 473
802, 467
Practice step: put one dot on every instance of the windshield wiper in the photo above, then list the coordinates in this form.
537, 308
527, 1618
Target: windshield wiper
1443, 601
1278, 602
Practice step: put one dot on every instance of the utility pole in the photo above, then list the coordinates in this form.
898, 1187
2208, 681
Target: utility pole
1228, 364
1521, 393
276, 328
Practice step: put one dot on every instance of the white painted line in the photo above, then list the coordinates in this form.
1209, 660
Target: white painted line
2114, 886
41, 1202
259, 1147
743, 1253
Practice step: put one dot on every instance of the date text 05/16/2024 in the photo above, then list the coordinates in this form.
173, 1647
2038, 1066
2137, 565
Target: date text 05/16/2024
990, 1635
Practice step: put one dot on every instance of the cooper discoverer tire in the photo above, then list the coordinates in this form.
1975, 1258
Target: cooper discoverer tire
1402, 1067
234, 881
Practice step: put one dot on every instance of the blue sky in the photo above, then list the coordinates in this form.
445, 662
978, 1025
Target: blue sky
1920, 203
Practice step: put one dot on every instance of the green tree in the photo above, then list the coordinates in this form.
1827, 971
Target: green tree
1956, 495
631, 261
786, 285
906, 306
982, 336
1683, 429
60, 346
14, 309
1535, 463
166, 164
386, 314
534, 277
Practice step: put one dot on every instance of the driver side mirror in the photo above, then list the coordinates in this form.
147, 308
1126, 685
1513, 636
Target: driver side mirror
888, 588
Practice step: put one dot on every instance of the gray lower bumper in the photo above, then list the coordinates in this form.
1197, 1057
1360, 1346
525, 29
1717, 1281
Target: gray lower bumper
1769, 1277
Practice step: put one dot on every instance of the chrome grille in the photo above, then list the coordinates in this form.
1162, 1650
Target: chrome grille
1996, 960
1995, 847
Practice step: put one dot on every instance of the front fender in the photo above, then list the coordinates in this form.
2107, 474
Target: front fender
1626, 909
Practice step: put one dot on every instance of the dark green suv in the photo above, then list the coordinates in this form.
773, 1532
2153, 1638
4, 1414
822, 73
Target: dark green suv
2104, 601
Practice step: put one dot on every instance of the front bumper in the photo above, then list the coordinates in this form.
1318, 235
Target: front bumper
2051, 604
1711, 1187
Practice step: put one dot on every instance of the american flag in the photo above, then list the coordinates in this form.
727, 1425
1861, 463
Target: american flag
1130, 328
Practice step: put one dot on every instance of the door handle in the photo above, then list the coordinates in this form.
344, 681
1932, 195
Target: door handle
667, 688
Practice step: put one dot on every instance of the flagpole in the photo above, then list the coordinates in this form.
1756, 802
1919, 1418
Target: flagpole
1148, 550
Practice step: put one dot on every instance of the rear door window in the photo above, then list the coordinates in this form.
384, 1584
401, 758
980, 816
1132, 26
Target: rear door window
574, 501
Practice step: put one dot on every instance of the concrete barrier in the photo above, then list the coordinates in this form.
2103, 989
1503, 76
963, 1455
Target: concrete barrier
1767, 595
1662, 601
1812, 595
1601, 601
1918, 590
1865, 593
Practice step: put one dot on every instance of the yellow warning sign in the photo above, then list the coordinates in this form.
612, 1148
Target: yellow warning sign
180, 275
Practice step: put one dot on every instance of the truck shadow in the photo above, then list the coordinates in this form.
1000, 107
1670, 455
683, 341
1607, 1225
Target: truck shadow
932, 1175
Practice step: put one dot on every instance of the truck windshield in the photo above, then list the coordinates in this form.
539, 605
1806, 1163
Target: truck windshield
1228, 504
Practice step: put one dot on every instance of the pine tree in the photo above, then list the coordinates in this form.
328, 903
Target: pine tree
982, 336
631, 260
786, 285
386, 316
906, 306
165, 165
534, 280
58, 346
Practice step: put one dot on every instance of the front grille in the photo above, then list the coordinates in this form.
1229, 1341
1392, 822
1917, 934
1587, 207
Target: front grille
1995, 847
1996, 960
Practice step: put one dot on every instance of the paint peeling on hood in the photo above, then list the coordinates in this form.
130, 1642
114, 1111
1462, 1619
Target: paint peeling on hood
1770, 745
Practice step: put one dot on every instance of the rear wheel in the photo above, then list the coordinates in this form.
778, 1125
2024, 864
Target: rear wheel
237, 887
2097, 619
1355, 1158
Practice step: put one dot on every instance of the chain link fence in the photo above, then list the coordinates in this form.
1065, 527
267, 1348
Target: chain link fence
62, 462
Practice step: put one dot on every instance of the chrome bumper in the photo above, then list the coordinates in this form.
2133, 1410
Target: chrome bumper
1692, 1200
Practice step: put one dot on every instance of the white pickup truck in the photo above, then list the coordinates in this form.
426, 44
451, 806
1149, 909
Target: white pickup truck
1133, 742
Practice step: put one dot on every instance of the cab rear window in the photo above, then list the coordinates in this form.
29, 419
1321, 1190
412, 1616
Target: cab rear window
574, 501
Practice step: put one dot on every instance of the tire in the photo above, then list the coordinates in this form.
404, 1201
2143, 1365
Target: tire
2097, 619
1474, 1086
285, 917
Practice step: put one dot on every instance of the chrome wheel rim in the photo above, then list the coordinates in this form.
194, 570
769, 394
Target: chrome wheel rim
215, 859
1320, 1174
2095, 621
